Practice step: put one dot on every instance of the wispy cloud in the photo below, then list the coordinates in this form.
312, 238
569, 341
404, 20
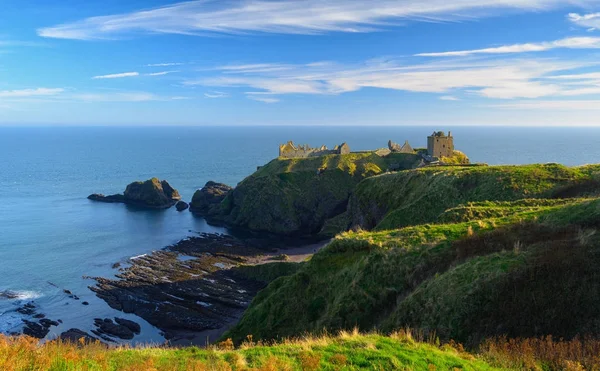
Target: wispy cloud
164, 64
568, 43
495, 79
590, 21
263, 99
66, 95
117, 75
37, 92
216, 94
116, 97
161, 73
552, 105
449, 98
287, 17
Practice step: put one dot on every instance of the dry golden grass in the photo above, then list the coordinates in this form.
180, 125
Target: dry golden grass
543, 353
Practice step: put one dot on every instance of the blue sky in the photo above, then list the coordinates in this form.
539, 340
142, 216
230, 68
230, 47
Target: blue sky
301, 62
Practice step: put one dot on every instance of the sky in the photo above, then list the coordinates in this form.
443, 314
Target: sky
300, 62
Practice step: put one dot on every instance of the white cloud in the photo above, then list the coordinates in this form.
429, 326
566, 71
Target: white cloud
568, 43
288, 17
38, 92
163, 64
590, 21
497, 79
161, 73
263, 99
216, 94
449, 98
117, 75
581, 76
67, 95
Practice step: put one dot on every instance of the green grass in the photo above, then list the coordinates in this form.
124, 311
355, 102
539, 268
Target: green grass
267, 272
298, 196
348, 351
452, 279
421, 196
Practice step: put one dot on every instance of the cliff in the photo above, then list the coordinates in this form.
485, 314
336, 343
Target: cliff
440, 262
298, 196
421, 196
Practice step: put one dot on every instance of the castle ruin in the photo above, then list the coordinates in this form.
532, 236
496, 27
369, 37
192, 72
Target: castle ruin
396, 148
440, 145
290, 150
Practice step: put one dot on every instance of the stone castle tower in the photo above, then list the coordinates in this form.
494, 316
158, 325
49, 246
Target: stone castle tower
440, 145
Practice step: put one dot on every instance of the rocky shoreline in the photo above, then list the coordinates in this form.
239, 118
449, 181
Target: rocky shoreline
189, 290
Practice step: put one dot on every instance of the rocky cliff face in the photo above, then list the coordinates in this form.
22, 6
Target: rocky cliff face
297, 196
210, 195
152, 193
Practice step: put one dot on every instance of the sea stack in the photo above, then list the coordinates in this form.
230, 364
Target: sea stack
153, 193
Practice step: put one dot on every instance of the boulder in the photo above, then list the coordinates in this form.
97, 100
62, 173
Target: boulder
109, 328
181, 205
210, 195
134, 327
152, 193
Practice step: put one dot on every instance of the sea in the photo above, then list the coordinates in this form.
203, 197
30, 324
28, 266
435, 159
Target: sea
52, 237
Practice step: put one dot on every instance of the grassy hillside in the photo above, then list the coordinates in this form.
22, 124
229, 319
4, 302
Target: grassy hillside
420, 196
297, 196
345, 352
521, 268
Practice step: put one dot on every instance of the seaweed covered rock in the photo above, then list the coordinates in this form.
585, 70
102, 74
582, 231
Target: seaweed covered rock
152, 193
211, 194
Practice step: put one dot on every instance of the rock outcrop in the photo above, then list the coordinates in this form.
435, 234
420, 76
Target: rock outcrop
297, 197
152, 193
200, 294
118, 198
181, 206
121, 328
211, 194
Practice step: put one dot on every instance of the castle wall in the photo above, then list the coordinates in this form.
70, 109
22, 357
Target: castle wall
289, 150
440, 146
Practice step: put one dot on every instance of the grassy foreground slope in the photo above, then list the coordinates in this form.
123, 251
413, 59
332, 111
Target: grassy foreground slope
297, 196
517, 268
345, 352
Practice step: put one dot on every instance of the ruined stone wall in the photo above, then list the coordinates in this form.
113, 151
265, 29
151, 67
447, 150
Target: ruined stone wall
289, 150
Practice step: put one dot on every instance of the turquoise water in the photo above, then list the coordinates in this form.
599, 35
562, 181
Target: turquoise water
50, 232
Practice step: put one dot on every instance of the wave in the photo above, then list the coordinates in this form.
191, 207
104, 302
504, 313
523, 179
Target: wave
19, 295
138, 256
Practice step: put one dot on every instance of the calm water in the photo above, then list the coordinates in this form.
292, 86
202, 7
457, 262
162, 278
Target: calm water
50, 232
